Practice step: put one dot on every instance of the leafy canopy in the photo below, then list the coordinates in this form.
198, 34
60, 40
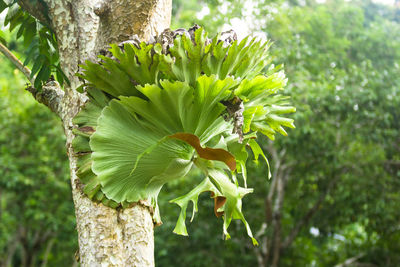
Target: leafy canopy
158, 110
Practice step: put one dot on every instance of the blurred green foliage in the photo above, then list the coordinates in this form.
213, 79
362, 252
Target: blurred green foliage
37, 224
340, 167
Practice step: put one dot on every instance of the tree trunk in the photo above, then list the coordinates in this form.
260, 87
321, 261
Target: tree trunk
46, 254
11, 249
107, 237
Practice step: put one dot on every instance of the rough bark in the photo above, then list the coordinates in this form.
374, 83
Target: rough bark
120, 20
107, 237
37, 9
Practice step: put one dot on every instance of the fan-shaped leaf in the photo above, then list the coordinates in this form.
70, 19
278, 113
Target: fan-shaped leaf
117, 142
153, 107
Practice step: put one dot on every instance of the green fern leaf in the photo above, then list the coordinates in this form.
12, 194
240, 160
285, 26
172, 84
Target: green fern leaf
153, 115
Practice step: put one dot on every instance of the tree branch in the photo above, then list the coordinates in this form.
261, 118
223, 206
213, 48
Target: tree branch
47, 251
38, 9
11, 249
17, 63
277, 168
350, 261
272, 214
261, 250
50, 95
392, 162
268, 200
276, 223
295, 231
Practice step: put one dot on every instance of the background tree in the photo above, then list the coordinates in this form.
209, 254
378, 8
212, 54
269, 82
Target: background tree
36, 208
339, 174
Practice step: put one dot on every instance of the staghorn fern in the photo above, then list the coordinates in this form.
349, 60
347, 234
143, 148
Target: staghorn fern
157, 110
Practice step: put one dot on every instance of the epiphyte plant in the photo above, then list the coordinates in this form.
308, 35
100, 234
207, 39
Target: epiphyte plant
156, 110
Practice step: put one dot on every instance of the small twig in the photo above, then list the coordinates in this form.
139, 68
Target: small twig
350, 261
50, 95
17, 63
